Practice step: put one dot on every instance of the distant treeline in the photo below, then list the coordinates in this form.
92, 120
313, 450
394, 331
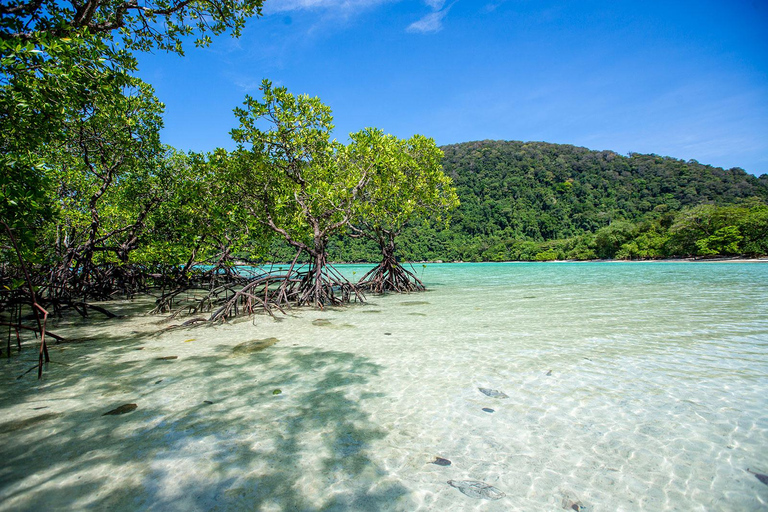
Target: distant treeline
539, 201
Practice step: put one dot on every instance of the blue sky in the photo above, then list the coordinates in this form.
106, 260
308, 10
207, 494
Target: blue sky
681, 79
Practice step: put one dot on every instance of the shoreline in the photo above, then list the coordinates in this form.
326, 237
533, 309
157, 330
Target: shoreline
702, 259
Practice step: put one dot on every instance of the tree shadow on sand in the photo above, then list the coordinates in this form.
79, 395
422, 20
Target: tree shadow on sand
210, 432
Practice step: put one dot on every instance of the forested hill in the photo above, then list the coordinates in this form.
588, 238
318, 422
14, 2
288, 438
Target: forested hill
540, 201
540, 191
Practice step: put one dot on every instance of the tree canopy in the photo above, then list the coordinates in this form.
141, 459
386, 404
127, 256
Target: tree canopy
297, 181
406, 185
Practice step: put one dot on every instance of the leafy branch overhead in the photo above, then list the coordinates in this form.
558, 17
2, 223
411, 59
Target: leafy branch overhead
160, 24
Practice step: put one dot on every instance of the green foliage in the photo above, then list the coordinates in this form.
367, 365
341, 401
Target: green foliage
161, 24
43, 88
405, 183
58, 59
548, 255
724, 241
294, 178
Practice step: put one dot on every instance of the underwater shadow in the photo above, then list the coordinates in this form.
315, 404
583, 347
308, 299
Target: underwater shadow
280, 429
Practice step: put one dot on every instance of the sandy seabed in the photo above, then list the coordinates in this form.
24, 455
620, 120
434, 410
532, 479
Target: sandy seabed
639, 389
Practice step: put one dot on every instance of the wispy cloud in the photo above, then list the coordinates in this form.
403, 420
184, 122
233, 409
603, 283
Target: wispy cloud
492, 6
432, 22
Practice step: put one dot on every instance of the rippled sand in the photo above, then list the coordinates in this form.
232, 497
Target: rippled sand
628, 387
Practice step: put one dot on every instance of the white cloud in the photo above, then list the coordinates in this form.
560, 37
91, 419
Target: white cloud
432, 22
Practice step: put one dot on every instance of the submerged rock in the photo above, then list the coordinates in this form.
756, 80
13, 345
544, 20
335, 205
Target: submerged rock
439, 461
488, 409
414, 303
493, 393
763, 478
477, 489
249, 347
569, 502
321, 322
123, 409
166, 358
549, 373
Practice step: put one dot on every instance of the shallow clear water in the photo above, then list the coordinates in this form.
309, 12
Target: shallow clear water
638, 386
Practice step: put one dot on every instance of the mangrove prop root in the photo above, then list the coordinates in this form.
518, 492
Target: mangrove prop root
390, 276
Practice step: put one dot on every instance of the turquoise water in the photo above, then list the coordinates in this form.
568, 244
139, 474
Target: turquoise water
629, 386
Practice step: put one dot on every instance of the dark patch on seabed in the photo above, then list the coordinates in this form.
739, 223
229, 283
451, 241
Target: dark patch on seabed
249, 347
123, 409
763, 478
493, 393
477, 489
13, 426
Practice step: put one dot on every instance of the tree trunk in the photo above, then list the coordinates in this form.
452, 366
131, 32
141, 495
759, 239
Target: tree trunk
389, 275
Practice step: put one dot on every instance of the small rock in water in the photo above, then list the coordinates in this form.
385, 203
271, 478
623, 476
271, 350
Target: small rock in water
208, 402
252, 346
139, 348
387, 334
493, 393
488, 409
167, 358
123, 409
549, 373
570, 502
439, 461
414, 303
277, 392
321, 322
572, 505
158, 381
763, 478
477, 489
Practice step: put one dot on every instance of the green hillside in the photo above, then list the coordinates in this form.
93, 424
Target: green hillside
535, 200
541, 191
